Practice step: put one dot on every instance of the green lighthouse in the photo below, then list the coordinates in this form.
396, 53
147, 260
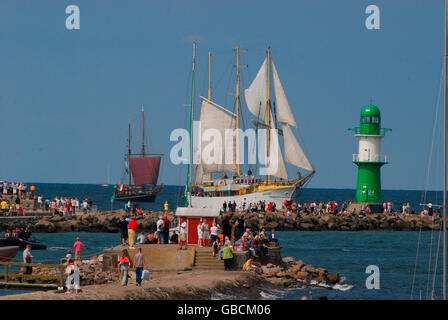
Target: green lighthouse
369, 158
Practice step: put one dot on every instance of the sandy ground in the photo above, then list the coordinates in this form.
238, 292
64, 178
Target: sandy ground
195, 279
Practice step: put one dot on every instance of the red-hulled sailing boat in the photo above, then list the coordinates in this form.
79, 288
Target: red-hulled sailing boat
143, 169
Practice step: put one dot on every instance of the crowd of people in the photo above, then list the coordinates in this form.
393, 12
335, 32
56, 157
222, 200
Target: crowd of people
11, 196
19, 233
13, 188
290, 207
66, 206
321, 207
13, 193
129, 227
11, 207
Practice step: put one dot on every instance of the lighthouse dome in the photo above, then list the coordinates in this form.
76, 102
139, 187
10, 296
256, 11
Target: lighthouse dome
370, 120
370, 111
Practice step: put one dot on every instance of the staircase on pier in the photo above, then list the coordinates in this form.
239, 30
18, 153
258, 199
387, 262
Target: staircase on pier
204, 259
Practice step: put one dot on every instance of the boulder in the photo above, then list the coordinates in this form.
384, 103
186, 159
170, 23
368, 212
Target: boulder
44, 226
321, 271
306, 226
283, 282
300, 264
333, 278
301, 275
288, 260
309, 269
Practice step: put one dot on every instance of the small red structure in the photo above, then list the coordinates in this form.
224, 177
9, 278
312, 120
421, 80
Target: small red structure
194, 216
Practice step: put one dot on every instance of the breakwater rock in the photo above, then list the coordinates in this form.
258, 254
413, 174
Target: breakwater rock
292, 274
107, 221
343, 222
103, 221
91, 272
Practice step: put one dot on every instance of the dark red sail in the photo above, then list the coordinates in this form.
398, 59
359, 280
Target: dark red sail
145, 170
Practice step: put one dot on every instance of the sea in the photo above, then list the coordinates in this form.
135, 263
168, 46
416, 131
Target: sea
391, 265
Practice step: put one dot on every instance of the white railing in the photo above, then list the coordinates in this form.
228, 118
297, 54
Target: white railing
376, 158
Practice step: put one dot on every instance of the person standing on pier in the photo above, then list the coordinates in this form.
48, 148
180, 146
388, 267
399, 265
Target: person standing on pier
139, 264
165, 206
213, 232
205, 233
123, 263
200, 236
72, 272
227, 256
226, 227
124, 230
78, 246
166, 232
27, 258
132, 230
183, 235
160, 229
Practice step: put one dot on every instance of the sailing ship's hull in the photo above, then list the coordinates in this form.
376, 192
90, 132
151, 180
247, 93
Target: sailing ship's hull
146, 196
276, 196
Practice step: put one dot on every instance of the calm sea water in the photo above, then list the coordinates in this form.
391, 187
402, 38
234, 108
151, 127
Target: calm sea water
348, 253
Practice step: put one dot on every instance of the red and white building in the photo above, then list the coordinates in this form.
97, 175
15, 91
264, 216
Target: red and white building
193, 217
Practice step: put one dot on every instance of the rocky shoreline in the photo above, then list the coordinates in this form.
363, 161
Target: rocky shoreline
100, 283
107, 221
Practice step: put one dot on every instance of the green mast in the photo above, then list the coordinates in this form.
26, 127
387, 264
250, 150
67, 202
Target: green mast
369, 160
187, 191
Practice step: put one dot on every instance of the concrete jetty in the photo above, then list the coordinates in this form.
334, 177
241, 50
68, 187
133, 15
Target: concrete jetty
174, 275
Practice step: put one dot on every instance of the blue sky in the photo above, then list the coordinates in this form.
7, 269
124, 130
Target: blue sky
66, 96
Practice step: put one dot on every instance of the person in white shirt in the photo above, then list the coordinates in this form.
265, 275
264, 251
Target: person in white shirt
205, 233
141, 238
200, 239
160, 229
183, 235
72, 272
213, 232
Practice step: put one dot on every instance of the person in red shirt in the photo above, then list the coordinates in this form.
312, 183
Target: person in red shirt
132, 230
166, 232
151, 238
123, 264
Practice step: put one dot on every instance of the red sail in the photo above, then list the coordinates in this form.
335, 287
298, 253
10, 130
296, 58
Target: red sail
145, 170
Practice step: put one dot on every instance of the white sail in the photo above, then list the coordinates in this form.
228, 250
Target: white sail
256, 94
216, 150
293, 152
275, 164
198, 174
284, 113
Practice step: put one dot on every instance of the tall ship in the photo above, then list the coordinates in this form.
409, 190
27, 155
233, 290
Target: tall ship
216, 182
142, 170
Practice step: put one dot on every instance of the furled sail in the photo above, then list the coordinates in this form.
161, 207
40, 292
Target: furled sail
293, 152
284, 113
145, 170
256, 94
275, 166
216, 150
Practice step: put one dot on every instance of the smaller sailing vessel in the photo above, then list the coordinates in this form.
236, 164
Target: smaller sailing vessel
143, 172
